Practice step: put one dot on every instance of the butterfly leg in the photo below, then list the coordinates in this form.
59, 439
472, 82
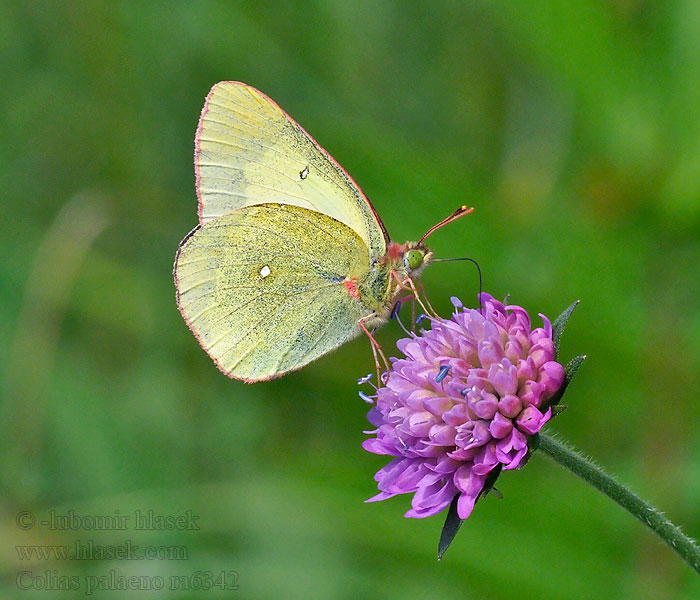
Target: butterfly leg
376, 348
377, 367
413, 315
399, 304
408, 284
425, 297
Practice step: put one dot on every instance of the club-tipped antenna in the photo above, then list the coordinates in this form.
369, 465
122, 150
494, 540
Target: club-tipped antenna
460, 212
478, 268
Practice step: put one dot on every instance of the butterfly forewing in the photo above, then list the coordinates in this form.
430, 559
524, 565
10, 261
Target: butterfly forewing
248, 151
263, 289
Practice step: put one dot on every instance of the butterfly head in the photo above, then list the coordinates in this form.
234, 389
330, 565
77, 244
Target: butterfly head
415, 258
408, 260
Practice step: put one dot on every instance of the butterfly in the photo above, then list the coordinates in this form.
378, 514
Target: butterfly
290, 259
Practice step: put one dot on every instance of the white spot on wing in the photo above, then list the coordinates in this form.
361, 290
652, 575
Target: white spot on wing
305, 173
265, 271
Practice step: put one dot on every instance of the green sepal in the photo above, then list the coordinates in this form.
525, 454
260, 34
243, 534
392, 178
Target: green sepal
570, 369
453, 522
560, 323
450, 528
497, 493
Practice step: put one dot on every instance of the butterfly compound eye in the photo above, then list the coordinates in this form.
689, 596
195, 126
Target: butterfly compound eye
414, 259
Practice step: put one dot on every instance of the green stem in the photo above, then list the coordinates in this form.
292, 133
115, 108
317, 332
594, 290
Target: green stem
651, 517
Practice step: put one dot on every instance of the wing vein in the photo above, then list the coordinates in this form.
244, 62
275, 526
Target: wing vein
284, 297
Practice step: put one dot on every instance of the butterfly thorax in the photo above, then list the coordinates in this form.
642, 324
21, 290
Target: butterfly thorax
388, 279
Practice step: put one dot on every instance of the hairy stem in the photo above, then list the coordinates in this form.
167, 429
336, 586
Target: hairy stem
650, 516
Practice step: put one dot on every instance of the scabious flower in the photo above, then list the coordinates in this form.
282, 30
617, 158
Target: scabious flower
463, 402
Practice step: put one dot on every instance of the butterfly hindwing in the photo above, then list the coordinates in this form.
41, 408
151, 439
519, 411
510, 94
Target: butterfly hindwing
263, 290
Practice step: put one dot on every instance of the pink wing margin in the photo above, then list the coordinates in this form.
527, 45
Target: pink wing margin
197, 150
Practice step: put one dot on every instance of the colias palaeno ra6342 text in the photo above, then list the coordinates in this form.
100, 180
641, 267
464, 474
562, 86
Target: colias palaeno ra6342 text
289, 259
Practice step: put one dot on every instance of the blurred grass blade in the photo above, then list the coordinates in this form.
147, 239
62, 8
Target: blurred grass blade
32, 351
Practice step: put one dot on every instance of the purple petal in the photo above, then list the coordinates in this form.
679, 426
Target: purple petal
377, 447
504, 378
531, 393
514, 351
419, 424
442, 435
542, 352
551, 378
511, 449
437, 405
489, 353
530, 420
437, 494
500, 426
547, 325
386, 476
485, 460
526, 370
380, 496
510, 406
486, 406
374, 416
413, 475
521, 317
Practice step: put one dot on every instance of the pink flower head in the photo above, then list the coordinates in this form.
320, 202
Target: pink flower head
464, 400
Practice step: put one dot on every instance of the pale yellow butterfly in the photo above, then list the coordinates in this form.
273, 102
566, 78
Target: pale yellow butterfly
290, 259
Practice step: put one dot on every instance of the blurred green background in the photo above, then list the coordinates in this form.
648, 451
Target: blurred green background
572, 127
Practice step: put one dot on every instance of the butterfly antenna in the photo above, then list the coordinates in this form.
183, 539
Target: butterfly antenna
478, 268
460, 212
